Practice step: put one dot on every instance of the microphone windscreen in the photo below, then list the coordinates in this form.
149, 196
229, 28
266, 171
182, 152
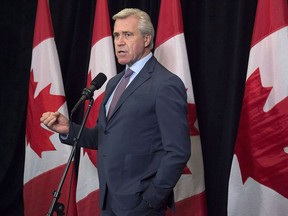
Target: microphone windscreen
99, 80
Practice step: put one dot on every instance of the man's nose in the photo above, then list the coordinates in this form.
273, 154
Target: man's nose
120, 40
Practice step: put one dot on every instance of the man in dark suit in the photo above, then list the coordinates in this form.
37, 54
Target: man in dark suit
143, 143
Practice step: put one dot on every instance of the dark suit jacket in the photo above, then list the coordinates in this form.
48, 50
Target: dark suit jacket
144, 146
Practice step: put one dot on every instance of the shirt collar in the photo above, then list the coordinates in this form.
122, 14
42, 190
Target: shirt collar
137, 66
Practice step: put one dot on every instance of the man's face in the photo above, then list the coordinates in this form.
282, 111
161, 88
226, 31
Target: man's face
130, 44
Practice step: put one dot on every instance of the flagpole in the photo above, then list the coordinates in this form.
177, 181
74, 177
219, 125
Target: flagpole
55, 205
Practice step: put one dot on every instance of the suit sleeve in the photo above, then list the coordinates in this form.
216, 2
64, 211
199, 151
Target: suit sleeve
171, 110
88, 138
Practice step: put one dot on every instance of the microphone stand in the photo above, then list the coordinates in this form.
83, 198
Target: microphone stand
55, 205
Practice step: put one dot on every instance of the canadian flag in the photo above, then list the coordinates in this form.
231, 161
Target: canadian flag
102, 59
45, 157
258, 182
170, 50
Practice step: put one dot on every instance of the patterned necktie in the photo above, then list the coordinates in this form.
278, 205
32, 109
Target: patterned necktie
118, 92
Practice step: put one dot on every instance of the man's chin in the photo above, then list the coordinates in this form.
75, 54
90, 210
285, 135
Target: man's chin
122, 62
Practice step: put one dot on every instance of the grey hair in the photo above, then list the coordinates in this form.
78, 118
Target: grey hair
145, 24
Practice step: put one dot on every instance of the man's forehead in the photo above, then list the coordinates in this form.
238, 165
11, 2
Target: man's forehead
122, 26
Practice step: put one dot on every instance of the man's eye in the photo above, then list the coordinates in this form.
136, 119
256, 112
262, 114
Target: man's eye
127, 34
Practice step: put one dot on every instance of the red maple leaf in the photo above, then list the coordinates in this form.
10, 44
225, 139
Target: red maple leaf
37, 136
262, 138
192, 116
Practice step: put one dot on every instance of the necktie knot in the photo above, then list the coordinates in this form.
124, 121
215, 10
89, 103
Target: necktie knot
128, 73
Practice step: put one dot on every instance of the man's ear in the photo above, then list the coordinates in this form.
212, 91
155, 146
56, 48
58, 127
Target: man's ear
147, 39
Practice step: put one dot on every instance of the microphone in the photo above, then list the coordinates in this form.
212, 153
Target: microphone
87, 93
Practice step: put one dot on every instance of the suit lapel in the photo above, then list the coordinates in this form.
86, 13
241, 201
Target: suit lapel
108, 91
112, 86
142, 77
